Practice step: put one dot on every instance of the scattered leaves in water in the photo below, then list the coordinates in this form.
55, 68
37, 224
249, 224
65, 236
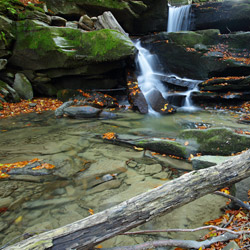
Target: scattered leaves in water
37, 105
6, 167
109, 136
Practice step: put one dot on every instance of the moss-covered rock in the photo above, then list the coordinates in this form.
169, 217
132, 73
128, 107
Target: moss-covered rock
217, 141
39, 46
164, 147
6, 35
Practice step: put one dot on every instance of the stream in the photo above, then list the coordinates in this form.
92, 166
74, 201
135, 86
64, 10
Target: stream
91, 174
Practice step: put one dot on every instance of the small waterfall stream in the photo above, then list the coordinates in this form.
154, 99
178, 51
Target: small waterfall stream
148, 79
178, 18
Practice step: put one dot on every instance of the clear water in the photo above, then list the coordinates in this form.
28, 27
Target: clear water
178, 18
74, 145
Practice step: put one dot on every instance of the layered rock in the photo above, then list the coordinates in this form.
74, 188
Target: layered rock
201, 54
227, 16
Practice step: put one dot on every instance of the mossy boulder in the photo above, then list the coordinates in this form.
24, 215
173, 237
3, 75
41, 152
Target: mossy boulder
39, 46
217, 141
7, 35
164, 147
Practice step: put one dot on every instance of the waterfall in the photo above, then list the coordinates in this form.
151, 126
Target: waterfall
178, 18
148, 78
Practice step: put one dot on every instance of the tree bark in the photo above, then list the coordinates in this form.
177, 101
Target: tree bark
86, 233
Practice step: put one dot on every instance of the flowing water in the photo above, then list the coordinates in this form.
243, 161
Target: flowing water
90, 173
178, 18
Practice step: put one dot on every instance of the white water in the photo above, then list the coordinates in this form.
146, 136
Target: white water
178, 18
148, 80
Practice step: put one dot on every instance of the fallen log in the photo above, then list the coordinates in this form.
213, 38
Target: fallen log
86, 233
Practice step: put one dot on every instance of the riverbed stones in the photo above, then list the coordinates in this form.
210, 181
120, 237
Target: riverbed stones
153, 169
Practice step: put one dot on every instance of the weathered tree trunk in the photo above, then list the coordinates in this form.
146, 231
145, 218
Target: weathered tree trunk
86, 233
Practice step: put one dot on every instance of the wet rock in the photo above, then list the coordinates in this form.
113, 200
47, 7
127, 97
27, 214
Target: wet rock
207, 161
162, 175
5, 202
105, 186
152, 169
60, 111
163, 146
217, 141
23, 86
39, 228
158, 103
17, 203
136, 98
82, 112
45, 203
58, 21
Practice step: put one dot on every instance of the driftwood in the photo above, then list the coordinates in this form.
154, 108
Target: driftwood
108, 21
86, 233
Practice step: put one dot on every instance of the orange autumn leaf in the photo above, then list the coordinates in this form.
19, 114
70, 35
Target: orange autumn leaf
186, 143
109, 136
91, 211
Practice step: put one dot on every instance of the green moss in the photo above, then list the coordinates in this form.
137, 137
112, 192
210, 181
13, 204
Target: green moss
164, 147
217, 141
116, 4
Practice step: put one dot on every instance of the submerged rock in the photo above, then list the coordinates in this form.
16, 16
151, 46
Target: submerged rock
217, 141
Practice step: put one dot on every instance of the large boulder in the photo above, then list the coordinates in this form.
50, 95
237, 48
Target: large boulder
227, 16
134, 16
39, 46
201, 54
23, 86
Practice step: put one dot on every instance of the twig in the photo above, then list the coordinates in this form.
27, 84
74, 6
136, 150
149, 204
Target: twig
229, 221
243, 247
177, 243
188, 230
240, 202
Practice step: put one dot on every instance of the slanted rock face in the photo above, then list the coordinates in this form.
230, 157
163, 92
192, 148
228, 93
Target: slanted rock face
40, 46
227, 16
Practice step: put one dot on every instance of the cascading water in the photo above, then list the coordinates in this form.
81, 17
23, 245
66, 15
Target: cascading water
179, 18
147, 79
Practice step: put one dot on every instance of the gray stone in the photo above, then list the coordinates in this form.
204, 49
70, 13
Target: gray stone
87, 20
132, 164
206, 161
72, 25
153, 169
231, 246
17, 203
58, 21
242, 188
105, 186
82, 112
23, 86
162, 175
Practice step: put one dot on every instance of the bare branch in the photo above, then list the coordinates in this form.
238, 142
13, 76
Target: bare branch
177, 243
188, 230
240, 202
